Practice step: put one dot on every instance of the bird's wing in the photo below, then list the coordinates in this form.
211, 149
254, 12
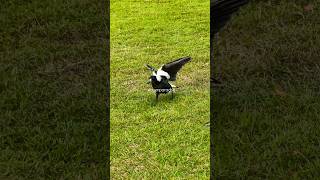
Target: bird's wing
221, 11
173, 67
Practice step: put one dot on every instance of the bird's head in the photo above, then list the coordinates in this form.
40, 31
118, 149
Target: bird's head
150, 67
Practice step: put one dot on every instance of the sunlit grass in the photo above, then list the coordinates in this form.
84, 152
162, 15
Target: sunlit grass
168, 139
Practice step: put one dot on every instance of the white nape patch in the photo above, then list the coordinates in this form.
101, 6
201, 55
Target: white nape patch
160, 73
158, 78
153, 73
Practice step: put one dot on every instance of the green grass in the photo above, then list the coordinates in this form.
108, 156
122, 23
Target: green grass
168, 139
52, 90
268, 109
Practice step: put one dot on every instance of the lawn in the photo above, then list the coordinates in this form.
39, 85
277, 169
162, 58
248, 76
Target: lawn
53, 121
268, 108
168, 139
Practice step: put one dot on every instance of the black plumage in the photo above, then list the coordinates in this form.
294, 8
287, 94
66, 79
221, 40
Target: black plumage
220, 13
168, 72
173, 67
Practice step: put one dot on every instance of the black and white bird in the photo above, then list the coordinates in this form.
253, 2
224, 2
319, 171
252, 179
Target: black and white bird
220, 13
168, 72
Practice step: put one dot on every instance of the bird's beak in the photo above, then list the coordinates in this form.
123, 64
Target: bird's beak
150, 68
149, 81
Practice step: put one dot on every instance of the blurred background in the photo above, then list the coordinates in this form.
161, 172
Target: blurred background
267, 110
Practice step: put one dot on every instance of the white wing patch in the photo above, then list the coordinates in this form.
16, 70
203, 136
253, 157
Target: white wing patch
160, 73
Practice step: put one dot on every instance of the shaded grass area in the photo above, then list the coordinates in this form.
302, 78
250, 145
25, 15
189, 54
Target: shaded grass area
267, 122
168, 139
52, 89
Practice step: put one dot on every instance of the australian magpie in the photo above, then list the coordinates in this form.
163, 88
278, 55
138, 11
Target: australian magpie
220, 14
168, 72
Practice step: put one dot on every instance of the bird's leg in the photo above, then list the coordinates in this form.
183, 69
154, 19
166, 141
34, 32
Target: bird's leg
157, 96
